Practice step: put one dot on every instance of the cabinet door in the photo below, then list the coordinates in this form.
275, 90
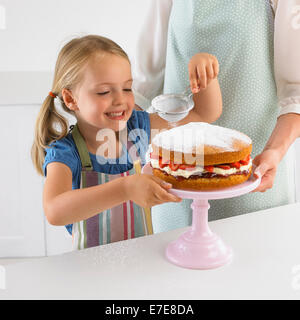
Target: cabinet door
22, 227
58, 240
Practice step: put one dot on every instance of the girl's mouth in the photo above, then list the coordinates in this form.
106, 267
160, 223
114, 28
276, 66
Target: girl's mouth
116, 115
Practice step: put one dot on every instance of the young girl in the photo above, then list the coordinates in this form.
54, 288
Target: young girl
99, 197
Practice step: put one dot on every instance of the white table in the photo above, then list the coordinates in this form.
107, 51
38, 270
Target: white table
266, 265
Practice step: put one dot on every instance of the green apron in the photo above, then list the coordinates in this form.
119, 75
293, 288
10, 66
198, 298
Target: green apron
240, 34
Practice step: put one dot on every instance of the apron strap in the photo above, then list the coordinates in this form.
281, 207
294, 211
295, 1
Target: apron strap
85, 159
147, 211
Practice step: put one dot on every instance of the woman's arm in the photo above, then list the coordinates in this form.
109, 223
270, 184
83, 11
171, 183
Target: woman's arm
287, 129
287, 75
149, 67
286, 55
208, 108
208, 104
203, 72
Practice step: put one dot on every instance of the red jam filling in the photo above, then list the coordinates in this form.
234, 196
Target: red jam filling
224, 166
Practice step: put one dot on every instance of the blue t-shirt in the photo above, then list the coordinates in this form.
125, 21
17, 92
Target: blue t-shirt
65, 151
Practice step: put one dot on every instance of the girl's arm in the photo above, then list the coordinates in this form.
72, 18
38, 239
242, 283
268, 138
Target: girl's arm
62, 205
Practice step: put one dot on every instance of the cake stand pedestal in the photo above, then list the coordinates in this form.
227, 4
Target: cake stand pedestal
199, 247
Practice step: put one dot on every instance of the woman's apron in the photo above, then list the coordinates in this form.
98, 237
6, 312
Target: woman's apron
125, 221
240, 34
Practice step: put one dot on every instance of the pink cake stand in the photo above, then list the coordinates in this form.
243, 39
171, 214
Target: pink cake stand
199, 247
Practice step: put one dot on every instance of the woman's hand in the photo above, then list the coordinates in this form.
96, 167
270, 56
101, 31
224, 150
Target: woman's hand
266, 166
203, 68
148, 191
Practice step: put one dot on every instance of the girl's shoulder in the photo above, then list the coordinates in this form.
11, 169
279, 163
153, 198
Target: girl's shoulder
139, 121
65, 151
65, 143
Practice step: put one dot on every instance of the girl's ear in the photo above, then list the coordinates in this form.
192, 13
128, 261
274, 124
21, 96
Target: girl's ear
69, 99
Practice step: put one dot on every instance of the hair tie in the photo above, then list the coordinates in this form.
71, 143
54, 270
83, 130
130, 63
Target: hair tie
53, 95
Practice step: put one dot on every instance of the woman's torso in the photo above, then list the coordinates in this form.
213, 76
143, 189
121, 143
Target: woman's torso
240, 34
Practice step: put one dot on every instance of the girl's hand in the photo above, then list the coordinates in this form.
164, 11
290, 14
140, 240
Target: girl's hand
148, 191
266, 166
203, 68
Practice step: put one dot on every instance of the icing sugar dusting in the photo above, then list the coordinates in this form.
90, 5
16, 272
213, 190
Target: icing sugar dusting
187, 137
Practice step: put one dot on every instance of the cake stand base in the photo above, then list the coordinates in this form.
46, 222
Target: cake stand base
199, 248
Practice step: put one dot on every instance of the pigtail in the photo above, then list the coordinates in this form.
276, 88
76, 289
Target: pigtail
50, 126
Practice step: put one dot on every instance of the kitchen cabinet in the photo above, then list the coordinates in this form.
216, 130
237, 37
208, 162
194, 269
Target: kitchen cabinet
22, 230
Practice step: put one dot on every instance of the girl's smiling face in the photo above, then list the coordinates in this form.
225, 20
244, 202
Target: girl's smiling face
104, 98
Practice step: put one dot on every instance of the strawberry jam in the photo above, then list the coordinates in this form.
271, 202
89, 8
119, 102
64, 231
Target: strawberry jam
206, 175
209, 169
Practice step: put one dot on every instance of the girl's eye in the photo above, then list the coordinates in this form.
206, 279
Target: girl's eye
129, 90
102, 93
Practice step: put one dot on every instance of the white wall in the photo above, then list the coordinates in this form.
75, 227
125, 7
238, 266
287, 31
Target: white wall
31, 34
35, 30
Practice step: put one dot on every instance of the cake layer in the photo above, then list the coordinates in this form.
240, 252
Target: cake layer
201, 143
212, 183
210, 157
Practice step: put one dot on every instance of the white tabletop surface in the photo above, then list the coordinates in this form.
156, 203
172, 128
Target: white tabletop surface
266, 265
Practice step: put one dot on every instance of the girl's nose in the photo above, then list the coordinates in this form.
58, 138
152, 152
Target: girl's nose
118, 98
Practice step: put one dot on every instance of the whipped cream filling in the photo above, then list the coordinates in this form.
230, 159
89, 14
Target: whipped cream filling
198, 170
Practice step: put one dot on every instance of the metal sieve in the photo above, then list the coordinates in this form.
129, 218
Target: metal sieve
173, 107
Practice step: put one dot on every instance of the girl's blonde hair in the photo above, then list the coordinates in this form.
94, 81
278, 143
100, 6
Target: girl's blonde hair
50, 124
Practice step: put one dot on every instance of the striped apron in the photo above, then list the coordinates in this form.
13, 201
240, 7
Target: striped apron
125, 221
